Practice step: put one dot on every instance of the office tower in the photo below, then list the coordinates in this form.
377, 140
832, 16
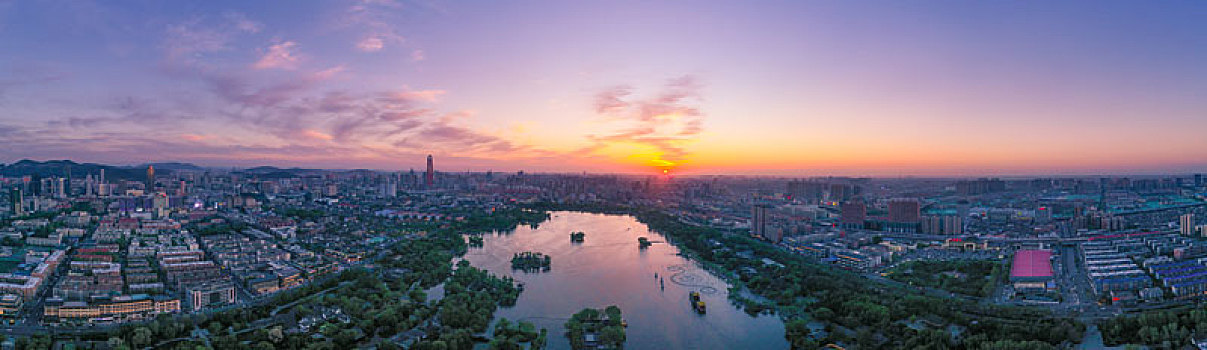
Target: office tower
150, 178
904, 210
18, 201
38, 183
854, 213
1186, 224
88, 185
60, 188
1198, 180
430, 177
102, 188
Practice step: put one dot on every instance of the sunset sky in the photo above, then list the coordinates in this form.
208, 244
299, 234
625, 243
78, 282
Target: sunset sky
728, 87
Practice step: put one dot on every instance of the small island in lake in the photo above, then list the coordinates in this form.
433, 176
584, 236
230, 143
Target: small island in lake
577, 236
510, 335
476, 241
643, 242
530, 262
593, 329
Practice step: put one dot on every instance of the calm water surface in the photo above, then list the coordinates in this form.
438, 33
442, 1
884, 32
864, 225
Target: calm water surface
609, 269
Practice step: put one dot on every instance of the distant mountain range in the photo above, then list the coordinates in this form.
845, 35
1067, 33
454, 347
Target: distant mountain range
172, 166
60, 168
272, 172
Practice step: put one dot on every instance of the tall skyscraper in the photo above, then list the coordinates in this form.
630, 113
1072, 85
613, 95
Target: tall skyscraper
758, 220
38, 184
150, 178
1186, 224
18, 201
89, 186
102, 188
430, 177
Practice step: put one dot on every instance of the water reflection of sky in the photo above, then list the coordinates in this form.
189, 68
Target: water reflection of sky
609, 269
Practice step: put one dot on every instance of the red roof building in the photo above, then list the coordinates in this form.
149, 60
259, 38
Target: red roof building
1032, 265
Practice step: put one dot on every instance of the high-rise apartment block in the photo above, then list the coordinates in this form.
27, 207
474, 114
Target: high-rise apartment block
1187, 224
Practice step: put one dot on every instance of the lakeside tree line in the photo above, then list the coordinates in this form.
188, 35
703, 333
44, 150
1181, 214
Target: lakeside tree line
854, 310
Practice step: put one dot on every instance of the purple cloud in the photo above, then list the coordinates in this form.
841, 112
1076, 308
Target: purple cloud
664, 122
280, 56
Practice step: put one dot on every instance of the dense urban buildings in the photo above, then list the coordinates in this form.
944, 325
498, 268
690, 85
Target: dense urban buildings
104, 250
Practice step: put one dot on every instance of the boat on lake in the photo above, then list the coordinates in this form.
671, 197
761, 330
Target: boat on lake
695, 301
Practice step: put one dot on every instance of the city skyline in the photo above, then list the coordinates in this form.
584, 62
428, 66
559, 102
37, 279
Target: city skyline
774, 88
421, 170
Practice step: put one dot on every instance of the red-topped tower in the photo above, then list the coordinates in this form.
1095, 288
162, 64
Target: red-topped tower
150, 178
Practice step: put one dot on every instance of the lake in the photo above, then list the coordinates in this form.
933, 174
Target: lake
609, 269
